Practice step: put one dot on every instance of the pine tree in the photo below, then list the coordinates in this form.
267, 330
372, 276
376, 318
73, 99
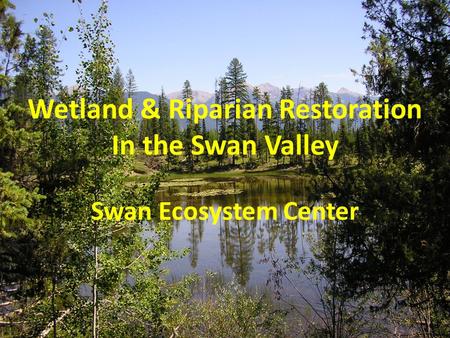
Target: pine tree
237, 91
253, 129
321, 94
217, 101
10, 42
53, 165
276, 127
289, 131
302, 128
344, 143
18, 226
266, 123
164, 120
118, 85
362, 143
48, 72
173, 134
221, 97
130, 84
189, 131
398, 246
23, 82
145, 130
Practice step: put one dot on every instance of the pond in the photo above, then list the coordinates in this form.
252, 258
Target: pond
240, 250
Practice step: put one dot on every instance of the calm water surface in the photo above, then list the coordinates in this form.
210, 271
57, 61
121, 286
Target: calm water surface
237, 249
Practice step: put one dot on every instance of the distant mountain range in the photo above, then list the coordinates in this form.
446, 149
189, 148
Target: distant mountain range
198, 95
345, 95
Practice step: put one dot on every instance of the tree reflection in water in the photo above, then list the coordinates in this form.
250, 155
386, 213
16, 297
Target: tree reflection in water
237, 248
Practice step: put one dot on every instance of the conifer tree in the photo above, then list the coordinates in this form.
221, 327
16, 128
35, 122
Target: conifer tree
266, 124
289, 131
398, 245
276, 127
23, 82
362, 143
47, 72
10, 42
222, 99
237, 91
164, 120
173, 134
130, 84
321, 94
344, 143
189, 131
301, 128
118, 85
253, 129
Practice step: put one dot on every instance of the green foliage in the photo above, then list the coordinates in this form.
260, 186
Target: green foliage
15, 203
130, 84
10, 42
398, 244
229, 311
190, 128
72, 266
117, 90
236, 87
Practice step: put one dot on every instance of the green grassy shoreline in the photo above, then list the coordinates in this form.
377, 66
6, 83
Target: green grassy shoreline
219, 174
141, 172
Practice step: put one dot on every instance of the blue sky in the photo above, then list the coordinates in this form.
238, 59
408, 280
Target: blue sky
166, 42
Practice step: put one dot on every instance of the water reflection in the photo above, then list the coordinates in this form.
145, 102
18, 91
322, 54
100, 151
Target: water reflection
236, 248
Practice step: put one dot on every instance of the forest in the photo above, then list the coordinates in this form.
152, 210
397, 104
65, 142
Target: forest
65, 273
